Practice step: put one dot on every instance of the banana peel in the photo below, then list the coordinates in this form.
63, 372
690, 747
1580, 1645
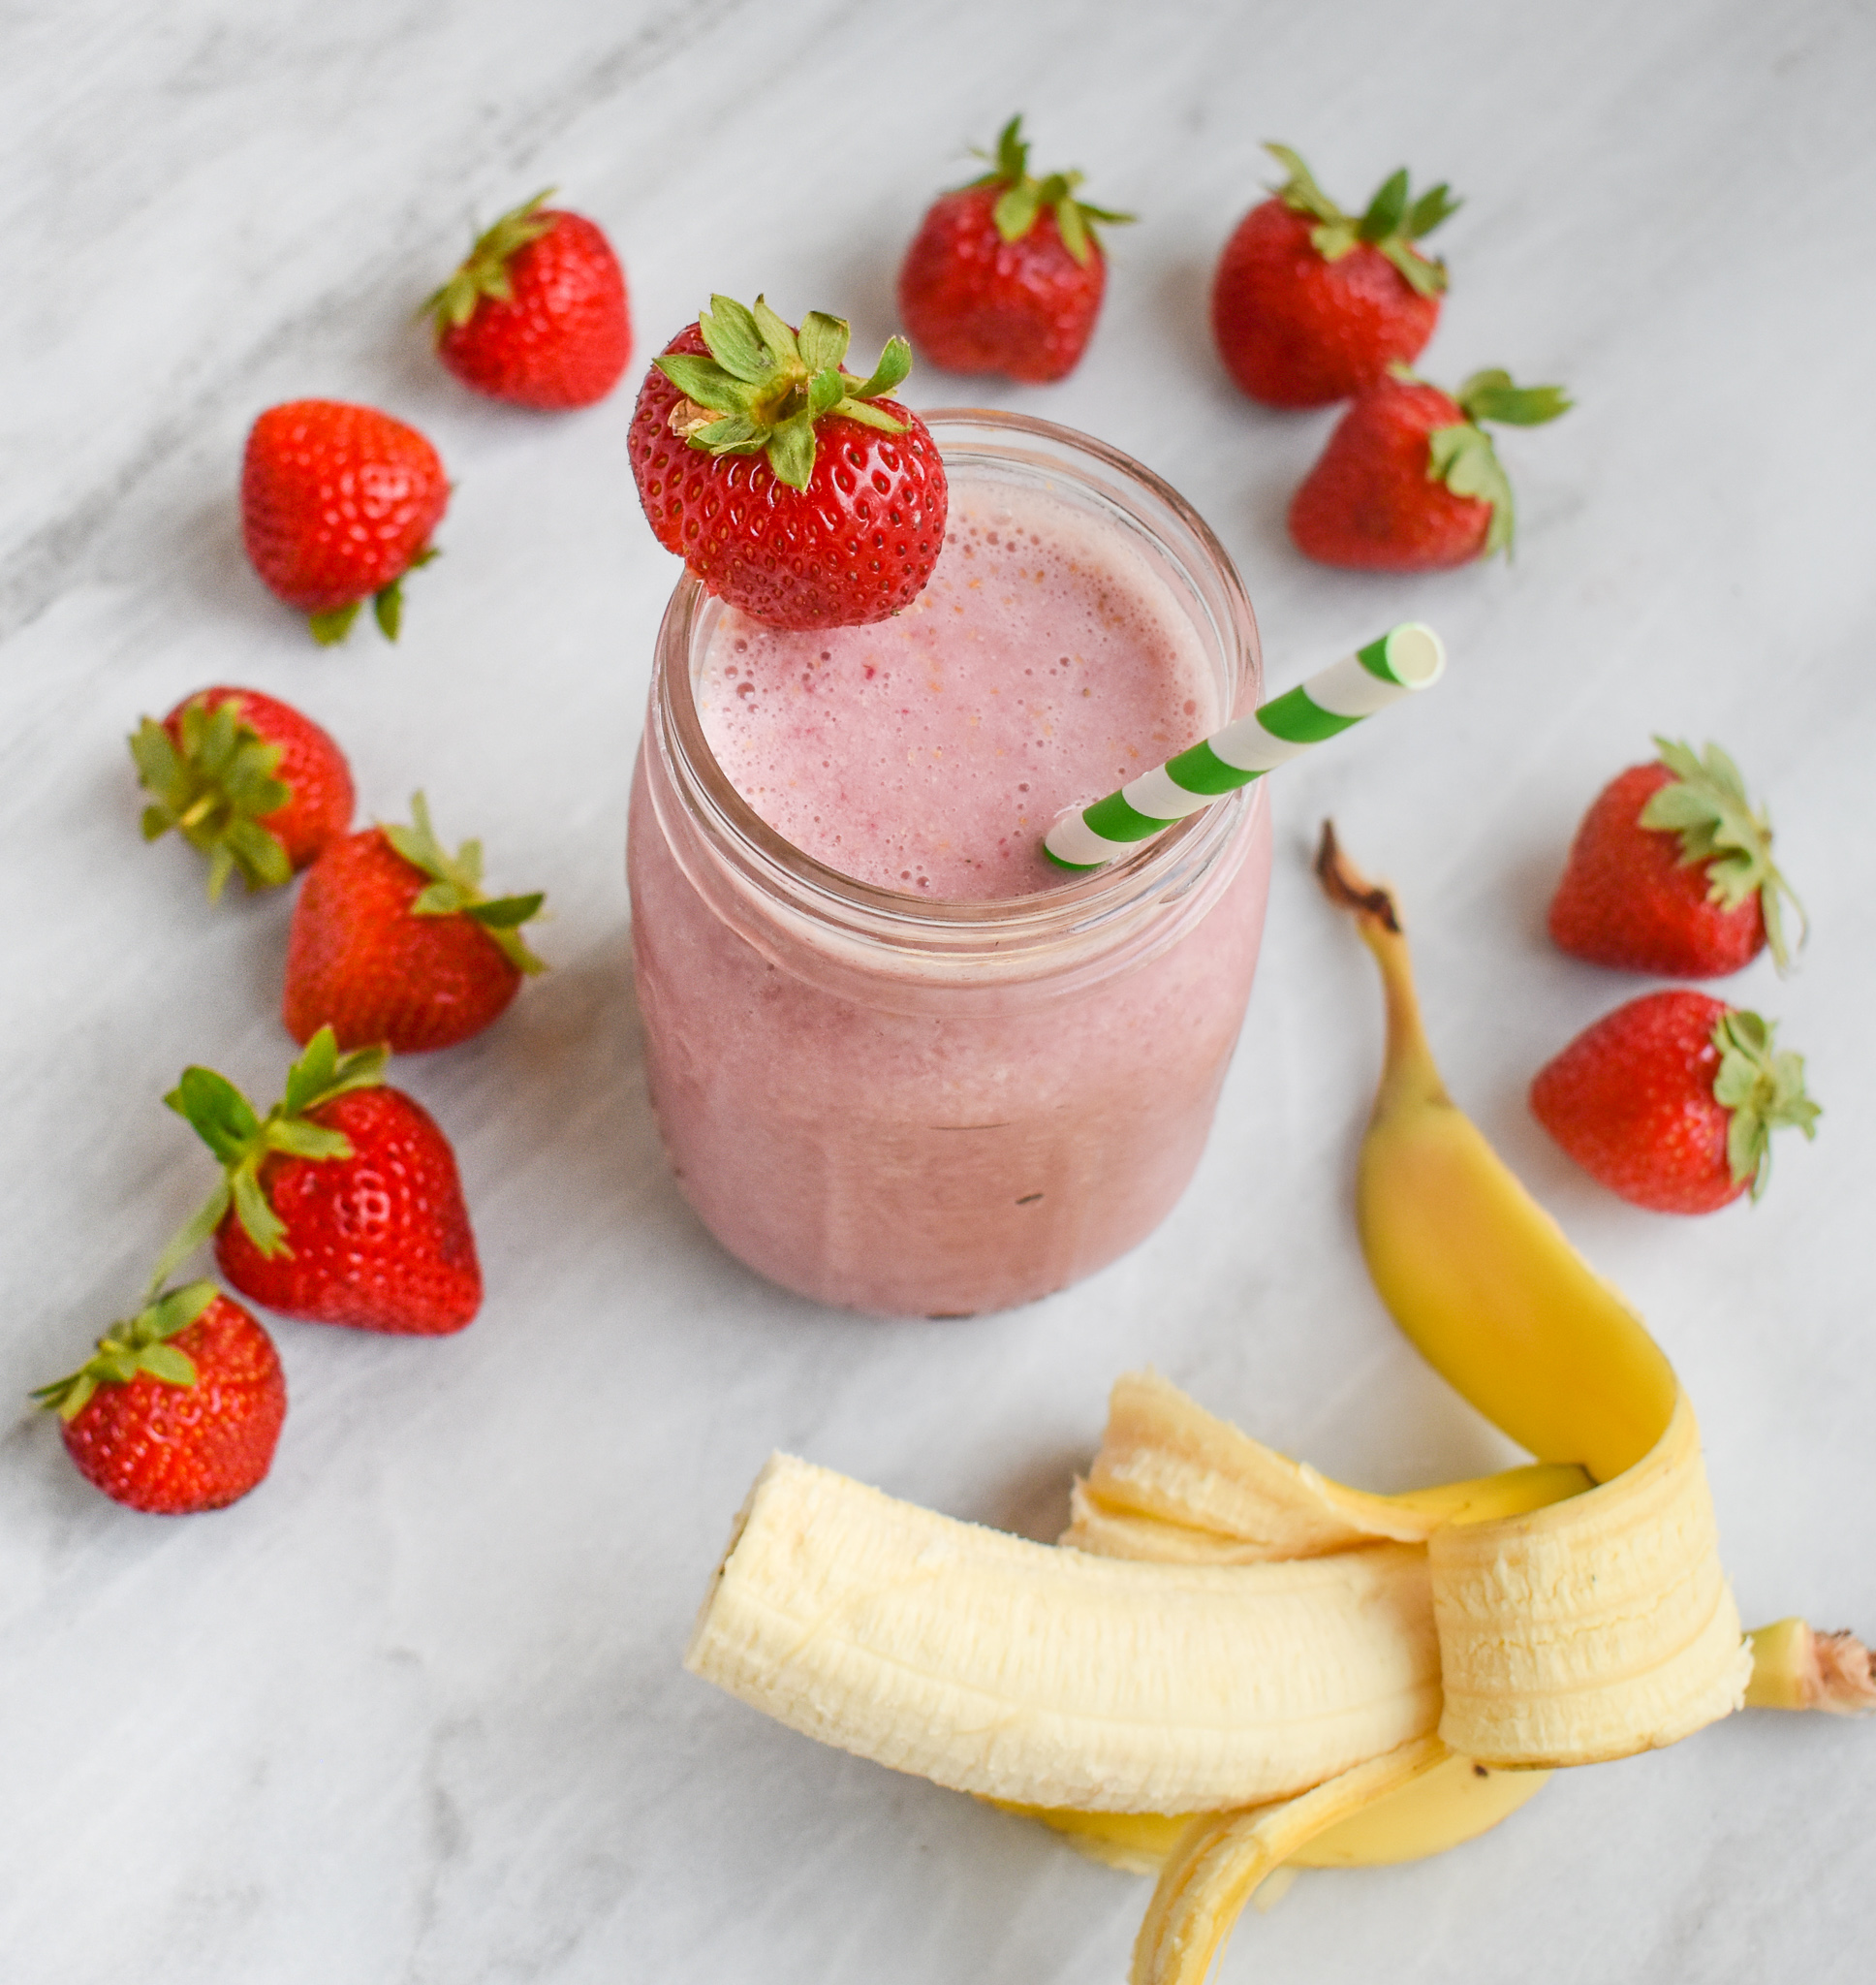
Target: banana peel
1598, 1627
1238, 1665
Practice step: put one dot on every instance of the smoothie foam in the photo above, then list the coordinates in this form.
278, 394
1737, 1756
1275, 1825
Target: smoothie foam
1045, 664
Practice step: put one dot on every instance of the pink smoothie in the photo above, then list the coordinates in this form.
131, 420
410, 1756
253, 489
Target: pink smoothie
911, 1146
1046, 664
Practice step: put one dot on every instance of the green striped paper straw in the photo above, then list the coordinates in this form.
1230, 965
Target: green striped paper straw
1406, 659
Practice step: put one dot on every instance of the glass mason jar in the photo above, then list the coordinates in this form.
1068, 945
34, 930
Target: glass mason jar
916, 1106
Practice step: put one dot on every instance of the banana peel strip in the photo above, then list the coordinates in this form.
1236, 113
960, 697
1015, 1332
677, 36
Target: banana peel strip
1223, 1857
1456, 1802
1165, 1461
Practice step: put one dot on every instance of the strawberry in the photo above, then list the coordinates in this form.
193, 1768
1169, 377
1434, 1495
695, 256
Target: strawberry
537, 314
789, 487
180, 1407
1006, 275
247, 779
393, 940
1410, 480
341, 1205
1671, 872
1310, 305
337, 503
1672, 1099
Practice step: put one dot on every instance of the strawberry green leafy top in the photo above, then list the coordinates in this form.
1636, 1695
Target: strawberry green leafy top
1393, 222
1462, 457
1707, 805
330, 627
227, 1124
1765, 1091
139, 1343
765, 387
486, 273
1025, 196
215, 789
455, 887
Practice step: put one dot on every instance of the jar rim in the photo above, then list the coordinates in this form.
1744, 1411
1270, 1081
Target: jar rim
1171, 863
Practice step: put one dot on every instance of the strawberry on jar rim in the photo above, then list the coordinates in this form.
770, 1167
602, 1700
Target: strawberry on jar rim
1310, 305
1007, 274
341, 1205
1670, 1101
537, 314
393, 940
1671, 872
256, 786
180, 1408
1410, 480
338, 502
792, 488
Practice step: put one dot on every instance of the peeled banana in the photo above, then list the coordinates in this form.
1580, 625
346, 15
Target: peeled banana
1047, 1676
1232, 1663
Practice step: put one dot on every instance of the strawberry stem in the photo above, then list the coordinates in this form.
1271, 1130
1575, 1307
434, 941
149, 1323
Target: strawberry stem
330, 627
227, 1124
767, 385
1764, 1089
485, 272
137, 1343
1462, 455
1706, 804
214, 788
455, 887
1025, 196
1393, 222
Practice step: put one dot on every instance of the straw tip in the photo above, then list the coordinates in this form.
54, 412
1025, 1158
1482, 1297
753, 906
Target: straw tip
1416, 655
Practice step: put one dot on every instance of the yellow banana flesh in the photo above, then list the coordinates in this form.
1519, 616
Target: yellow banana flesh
1045, 1677
1217, 1496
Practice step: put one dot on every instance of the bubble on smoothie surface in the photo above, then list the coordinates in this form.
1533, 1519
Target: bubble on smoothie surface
1047, 663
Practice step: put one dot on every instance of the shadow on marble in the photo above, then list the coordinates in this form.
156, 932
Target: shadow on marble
1033, 1501
199, 548
866, 288
565, 1066
1183, 319
1521, 889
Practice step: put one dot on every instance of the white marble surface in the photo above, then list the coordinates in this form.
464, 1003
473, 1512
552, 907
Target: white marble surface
414, 1709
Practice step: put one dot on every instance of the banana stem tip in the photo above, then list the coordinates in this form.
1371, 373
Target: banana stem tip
1348, 889
1846, 1675
1794, 1667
